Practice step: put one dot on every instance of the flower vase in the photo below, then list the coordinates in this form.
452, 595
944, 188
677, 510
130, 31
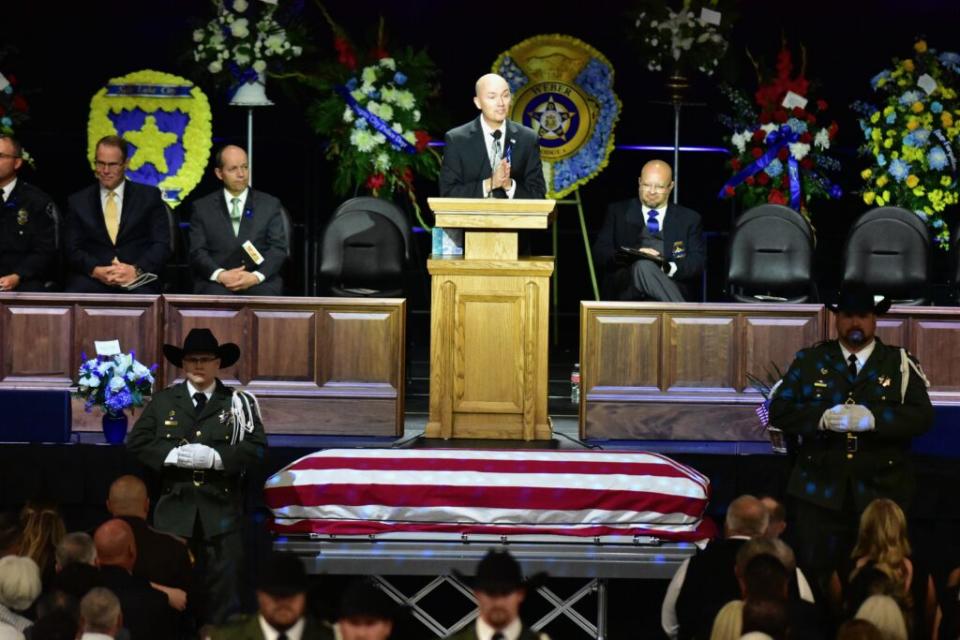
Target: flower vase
114, 427
252, 93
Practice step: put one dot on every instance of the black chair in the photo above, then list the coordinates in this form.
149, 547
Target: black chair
888, 252
771, 257
287, 230
365, 246
53, 279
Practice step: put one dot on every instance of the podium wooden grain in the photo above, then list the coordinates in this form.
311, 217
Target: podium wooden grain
489, 324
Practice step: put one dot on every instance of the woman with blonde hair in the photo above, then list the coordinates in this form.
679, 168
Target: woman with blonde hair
881, 564
43, 529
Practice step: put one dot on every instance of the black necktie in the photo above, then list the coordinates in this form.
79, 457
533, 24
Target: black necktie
201, 400
853, 365
498, 636
282, 636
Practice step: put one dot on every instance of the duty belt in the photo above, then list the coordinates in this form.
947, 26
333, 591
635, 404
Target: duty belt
852, 442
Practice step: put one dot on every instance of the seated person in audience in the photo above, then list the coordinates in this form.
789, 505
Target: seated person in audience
115, 229
226, 221
27, 231
799, 587
765, 577
162, 558
282, 604
728, 623
58, 617
100, 615
778, 516
766, 618
858, 630
77, 572
668, 234
146, 612
10, 533
43, 529
19, 587
707, 580
885, 614
500, 589
366, 612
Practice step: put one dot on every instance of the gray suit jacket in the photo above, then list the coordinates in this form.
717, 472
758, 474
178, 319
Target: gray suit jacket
212, 239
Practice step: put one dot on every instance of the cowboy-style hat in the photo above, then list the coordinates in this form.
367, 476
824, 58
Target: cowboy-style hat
499, 573
202, 341
282, 575
855, 299
364, 599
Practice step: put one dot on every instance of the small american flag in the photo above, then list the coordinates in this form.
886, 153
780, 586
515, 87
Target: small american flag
763, 412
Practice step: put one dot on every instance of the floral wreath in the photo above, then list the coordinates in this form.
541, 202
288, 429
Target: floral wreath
911, 137
167, 122
569, 101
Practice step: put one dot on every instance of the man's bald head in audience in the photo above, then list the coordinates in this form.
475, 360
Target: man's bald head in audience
746, 516
128, 497
115, 544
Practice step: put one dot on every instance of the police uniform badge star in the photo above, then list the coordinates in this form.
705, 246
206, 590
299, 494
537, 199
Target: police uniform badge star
225, 416
23, 217
884, 381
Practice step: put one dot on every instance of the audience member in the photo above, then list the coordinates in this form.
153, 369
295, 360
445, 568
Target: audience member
500, 589
282, 602
145, 610
27, 225
115, 229
77, 572
162, 558
706, 581
799, 587
19, 587
101, 616
882, 544
858, 630
366, 612
43, 529
778, 516
11, 531
885, 614
728, 623
222, 223
59, 625
767, 616
766, 577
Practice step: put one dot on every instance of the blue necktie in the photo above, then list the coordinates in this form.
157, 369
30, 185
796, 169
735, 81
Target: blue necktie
653, 225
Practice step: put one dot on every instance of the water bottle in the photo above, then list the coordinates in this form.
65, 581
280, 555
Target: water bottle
575, 384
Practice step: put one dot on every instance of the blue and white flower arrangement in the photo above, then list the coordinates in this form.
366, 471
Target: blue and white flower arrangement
114, 383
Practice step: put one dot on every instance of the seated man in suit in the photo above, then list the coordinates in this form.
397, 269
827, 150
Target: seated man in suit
27, 234
492, 156
115, 229
226, 221
669, 234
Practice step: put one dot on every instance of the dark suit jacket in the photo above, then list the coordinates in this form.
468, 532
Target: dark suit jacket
709, 584
623, 226
143, 239
817, 380
161, 558
77, 579
212, 239
171, 419
466, 163
249, 629
27, 246
146, 612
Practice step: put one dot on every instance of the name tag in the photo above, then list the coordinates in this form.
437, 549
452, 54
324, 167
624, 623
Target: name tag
252, 252
170, 423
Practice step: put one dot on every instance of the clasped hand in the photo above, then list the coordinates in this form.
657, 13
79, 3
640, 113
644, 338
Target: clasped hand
852, 418
195, 456
115, 274
237, 279
501, 176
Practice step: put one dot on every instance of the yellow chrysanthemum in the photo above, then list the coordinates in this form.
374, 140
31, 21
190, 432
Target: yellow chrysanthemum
888, 111
880, 201
919, 191
869, 197
907, 65
888, 143
920, 46
875, 116
946, 119
912, 181
886, 195
866, 174
882, 181
945, 181
917, 107
912, 124
912, 154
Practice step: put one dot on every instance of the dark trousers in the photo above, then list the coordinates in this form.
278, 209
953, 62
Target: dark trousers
824, 537
79, 283
217, 574
269, 287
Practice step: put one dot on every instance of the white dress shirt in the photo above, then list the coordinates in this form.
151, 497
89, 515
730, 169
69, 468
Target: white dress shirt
119, 196
661, 216
862, 356
7, 189
510, 632
293, 633
488, 145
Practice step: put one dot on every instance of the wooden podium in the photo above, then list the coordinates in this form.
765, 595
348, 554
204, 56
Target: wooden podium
489, 324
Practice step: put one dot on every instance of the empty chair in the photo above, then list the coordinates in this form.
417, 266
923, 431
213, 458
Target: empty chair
365, 246
888, 252
770, 257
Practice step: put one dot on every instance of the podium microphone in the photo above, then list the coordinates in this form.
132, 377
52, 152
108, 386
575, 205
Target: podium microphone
495, 160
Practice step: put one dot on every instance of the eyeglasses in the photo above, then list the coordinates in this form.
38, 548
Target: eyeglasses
110, 166
199, 359
654, 187
12, 156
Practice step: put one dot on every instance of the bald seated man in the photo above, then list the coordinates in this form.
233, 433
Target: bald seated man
669, 236
162, 558
146, 612
492, 156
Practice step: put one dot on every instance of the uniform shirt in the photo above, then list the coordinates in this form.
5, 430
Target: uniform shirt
488, 145
862, 356
293, 633
7, 189
510, 632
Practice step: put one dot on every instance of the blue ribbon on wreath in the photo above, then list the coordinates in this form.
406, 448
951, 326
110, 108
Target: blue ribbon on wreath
776, 141
243, 76
397, 140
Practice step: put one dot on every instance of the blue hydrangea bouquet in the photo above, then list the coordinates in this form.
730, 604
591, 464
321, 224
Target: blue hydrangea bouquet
114, 383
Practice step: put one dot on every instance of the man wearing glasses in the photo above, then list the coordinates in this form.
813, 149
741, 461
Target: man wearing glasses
650, 248
27, 219
115, 229
202, 436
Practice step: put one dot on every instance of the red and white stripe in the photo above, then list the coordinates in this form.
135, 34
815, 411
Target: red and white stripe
452, 492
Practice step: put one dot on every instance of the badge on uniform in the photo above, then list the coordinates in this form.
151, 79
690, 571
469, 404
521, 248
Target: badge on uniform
884, 381
171, 420
23, 216
678, 249
225, 416
821, 384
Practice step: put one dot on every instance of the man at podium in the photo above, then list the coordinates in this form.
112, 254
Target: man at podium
492, 156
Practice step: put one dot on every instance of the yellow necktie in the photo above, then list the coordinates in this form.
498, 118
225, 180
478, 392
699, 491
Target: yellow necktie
111, 216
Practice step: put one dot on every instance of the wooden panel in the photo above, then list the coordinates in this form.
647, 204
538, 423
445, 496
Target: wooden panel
772, 342
358, 346
937, 347
671, 421
701, 352
488, 368
294, 330
36, 345
626, 349
135, 327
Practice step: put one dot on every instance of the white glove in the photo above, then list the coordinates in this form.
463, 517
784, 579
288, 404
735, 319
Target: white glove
196, 456
843, 418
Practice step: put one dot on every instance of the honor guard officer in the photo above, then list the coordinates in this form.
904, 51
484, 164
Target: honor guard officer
201, 436
853, 405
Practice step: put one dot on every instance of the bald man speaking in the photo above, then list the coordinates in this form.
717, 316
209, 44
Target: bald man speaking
492, 156
650, 248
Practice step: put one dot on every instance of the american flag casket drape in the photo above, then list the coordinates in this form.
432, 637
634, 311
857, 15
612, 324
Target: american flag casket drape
450, 493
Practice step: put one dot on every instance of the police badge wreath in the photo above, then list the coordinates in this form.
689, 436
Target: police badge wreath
563, 90
166, 121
